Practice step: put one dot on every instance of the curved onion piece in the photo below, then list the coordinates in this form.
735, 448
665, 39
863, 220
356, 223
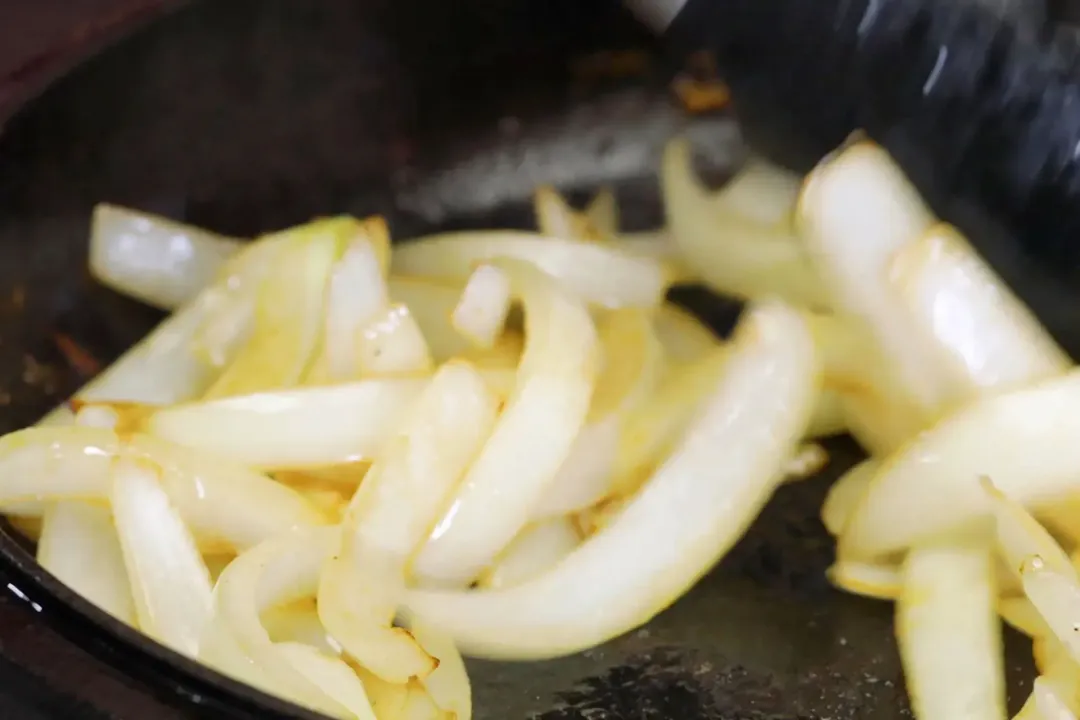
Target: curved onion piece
56, 463
288, 315
276, 572
431, 301
598, 273
448, 685
1020, 614
632, 365
1020, 536
807, 461
356, 296
79, 546
1023, 440
536, 549
683, 337
732, 254
878, 581
392, 513
1048, 703
223, 502
981, 328
169, 580
298, 428
855, 212
298, 622
762, 192
550, 401
555, 218
480, 314
1057, 598
949, 635
700, 501
829, 418
154, 260
420, 705
845, 494
603, 212
392, 344
332, 675
650, 430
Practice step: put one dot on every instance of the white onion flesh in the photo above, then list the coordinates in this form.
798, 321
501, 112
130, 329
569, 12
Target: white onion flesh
537, 548
949, 634
299, 428
480, 314
532, 439
701, 501
733, 255
170, 583
597, 273
79, 546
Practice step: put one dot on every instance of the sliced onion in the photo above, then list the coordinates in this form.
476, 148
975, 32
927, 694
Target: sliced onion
1049, 703
288, 315
392, 344
555, 218
536, 549
732, 254
1023, 441
357, 296
700, 502
683, 337
872, 580
1057, 598
420, 705
279, 571
154, 260
392, 513
448, 685
1021, 615
845, 494
807, 461
984, 332
949, 635
533, 438
762, 192
1020, 536
56, 463
587, 474
169, 580
299, 428
597, 273
80, 548
331, 675
480, 314
856, 211
603, 212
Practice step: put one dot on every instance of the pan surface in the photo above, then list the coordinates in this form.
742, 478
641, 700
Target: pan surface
248, 115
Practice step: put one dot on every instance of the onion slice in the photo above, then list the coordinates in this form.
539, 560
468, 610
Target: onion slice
597, 273
292, 429
480, 314
536, 549
550, 402
169, 580
700, 501
733, 254
332, 675
949, 634
80, 547
152, 259
1023, 441
392, 513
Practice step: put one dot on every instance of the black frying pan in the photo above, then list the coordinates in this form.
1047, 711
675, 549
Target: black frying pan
249, 115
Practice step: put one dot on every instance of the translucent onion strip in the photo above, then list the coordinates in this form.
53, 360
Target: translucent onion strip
597, 273
152, 259
480, 314
332, 675
79, 546
1023, 440
732, 254
981, 327
534, 435
279, 571
169, 580
1057, 598
392, 513
299, 428
448, 685
537, 548
700, 501
944, 608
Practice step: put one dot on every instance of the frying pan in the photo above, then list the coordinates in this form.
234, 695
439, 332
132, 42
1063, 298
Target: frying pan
250, 115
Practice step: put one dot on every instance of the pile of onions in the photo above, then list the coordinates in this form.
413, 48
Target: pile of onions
338, 465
